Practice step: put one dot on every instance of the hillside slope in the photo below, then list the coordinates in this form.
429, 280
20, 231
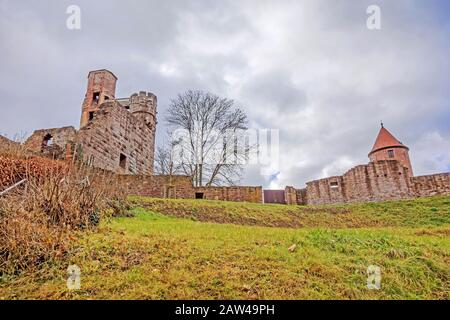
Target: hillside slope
407, 213
155, 256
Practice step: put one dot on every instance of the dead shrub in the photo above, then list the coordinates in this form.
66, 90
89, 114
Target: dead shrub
37, 217
28, 240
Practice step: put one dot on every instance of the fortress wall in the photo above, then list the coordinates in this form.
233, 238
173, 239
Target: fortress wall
158, 186
181, 187
290, 194
389, 180
324, 191
358, 184
431, 185
376, 181
295, 196
240, 194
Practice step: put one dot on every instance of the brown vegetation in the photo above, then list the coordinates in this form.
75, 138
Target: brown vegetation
38, 217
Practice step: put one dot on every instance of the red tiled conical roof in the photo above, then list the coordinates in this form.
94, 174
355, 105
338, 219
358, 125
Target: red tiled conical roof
386, 140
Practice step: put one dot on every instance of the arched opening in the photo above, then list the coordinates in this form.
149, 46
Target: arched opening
48, 140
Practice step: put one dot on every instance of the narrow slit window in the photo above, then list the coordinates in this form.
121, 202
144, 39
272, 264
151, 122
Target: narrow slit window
96, 97
123, 161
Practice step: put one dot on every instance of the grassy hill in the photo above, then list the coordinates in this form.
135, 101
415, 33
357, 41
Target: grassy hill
424, 212
194, 249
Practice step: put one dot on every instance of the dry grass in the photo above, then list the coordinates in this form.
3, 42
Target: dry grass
38, 217
153, 256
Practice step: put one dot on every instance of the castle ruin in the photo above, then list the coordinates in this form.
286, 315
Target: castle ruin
118, 135
115, 134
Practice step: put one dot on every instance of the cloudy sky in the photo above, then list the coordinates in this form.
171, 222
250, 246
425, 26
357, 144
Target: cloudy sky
311, 69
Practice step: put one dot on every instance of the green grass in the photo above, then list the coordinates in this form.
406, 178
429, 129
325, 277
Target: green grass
164, 256
424, 212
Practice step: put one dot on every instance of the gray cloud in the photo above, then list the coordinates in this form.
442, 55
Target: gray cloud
310, 69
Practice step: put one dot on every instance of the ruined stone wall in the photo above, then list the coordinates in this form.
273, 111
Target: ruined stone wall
376, 181
244, 194
357, 184
38, 142
431, 185
115, 140
181, 187
5, 142
290, 194
158, 186
329, 190
295, 196
301, 197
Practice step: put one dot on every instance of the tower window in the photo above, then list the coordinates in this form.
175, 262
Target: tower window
96, 97
391, 153
334, 185
123, 161
91, 115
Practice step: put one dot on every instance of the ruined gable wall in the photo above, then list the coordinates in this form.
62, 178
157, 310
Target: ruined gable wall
112, 132
431, 185
61, 137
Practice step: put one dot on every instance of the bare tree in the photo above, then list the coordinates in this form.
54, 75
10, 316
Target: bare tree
210, 149
164, 162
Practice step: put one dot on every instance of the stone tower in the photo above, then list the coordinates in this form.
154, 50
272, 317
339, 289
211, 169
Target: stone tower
101, 87
143, 107
387, 147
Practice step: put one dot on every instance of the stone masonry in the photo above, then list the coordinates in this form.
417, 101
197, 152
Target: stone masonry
388, 176
176, 186
115, 134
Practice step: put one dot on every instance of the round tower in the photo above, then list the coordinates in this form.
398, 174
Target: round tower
387, 147
143, 106
101, 87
